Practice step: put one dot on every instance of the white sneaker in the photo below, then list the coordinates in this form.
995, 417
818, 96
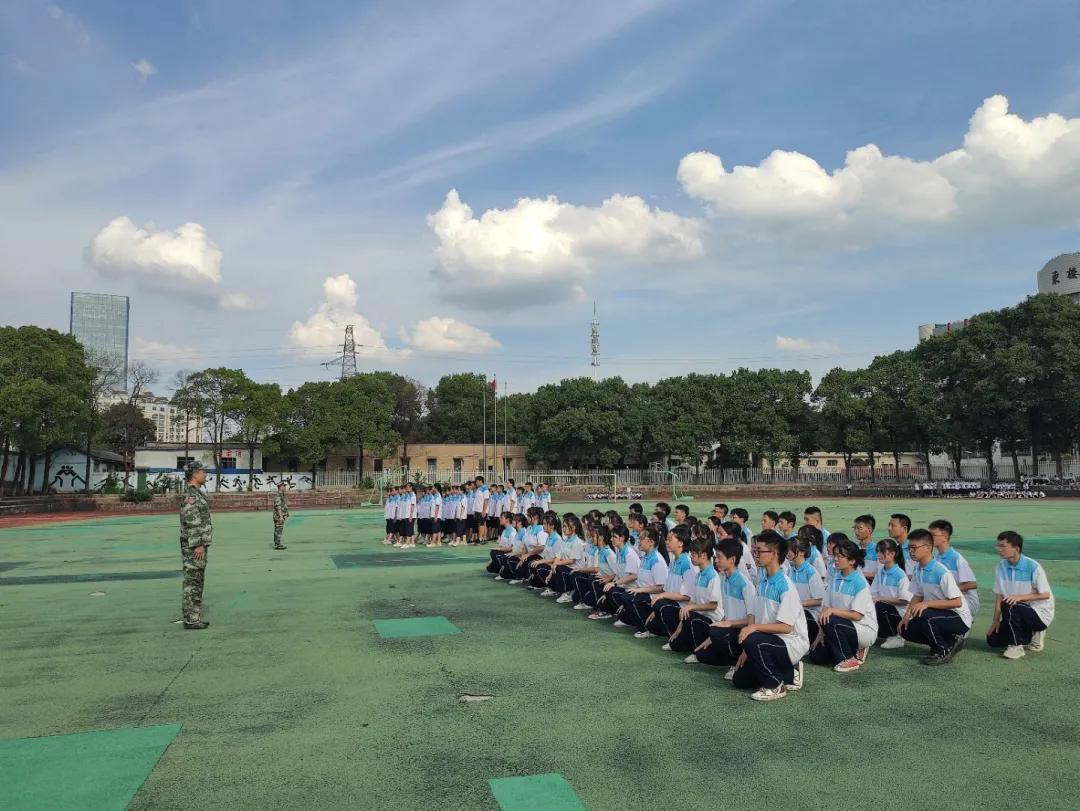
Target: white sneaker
730, 674
398, 545
387, 542
599, 615
516, 582
499, 577
1038, 641
666, 646
769, 694
581, 607
1014, 652
798, 682
619, 624
644, 635
565, 598
893, 642
691, 659
548, 593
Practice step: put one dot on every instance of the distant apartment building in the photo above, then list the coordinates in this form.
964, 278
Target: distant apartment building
170, 424
100, 323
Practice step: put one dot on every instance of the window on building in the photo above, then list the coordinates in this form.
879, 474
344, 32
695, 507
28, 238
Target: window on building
458, 464
431, 463
182, 461
812, 462
350, 463
377, 466
228, 464
830, 463
405, 461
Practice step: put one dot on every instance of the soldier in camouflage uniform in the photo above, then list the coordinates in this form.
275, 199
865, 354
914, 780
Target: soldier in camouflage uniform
281, 513
196, 532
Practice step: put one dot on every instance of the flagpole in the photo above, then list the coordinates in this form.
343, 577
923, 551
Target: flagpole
495, 461
506, 431
483, 465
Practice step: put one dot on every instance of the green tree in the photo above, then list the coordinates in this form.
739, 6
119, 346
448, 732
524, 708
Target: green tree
255, 413
219, 394
367, 406
124, 428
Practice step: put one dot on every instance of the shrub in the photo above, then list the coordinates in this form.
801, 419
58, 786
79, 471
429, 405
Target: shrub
137, 496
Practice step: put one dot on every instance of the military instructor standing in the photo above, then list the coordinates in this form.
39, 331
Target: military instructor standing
196, 532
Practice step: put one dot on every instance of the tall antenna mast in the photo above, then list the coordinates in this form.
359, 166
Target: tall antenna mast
595, 340
347, 360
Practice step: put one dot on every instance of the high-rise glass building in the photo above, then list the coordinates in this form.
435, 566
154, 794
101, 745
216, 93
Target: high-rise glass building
100, 323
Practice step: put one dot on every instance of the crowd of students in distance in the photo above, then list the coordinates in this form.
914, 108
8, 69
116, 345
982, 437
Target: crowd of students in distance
460, 514
760, 604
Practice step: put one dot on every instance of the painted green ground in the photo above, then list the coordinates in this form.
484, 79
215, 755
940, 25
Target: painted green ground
292, 700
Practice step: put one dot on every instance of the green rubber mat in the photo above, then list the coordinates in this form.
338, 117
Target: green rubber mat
97, 771
90, 577
415, 626
535, 792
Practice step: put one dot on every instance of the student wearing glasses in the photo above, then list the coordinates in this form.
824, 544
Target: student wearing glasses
938, 615
1023, 602
848, 619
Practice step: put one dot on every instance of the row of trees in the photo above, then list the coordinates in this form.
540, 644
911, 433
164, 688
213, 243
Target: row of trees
1011, 377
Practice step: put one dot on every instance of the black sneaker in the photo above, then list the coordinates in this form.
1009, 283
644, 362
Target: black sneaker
954, 651
196, 626
935, 659
283, 546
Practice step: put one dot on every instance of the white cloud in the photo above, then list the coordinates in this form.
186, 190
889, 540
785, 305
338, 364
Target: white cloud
324, 329
545, 245
183, 260
145, 68
158, 351
237, 301
787, 344
1003, 156
449, 335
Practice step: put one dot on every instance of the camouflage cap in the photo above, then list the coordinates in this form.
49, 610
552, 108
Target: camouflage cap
194, 465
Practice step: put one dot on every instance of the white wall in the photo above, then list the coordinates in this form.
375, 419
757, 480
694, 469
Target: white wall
162, 460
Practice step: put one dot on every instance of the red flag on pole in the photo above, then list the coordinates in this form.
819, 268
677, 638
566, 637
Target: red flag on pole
493, 385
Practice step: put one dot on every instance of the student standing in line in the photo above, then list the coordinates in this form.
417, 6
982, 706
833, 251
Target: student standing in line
436, 515
736, 594
677, 588
891, 591
401, 504
812, 517
808, 583
461, 517
388, 513
848, 617
504, 547
607, 591
774, 639
586, 583
741, 517
941, 534
1023, 601
704, 607
898, 528
864, 533
479, 506
422, 503
544, 497
938, 615
635, 604
785, 524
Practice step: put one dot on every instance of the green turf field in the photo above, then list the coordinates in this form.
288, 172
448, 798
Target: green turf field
293, 699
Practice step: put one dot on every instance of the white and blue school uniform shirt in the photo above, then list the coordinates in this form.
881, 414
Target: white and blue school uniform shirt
708, 588
653, 571
909, 563
817, 560
528, 499
553, 544
573, 549
963, 573
627, 562
521, 537
605, 560
851, 592
479, 496
682, 576
388, 508
669, 522
410, 512
870, 563
423, 507
737, 594
588, 558
809, 585
746, 534
545, 500
935, 582
747, 565
436, 506
507, 536
1026, 577
511, 499
777, 600
635, 536
461, 507
534, 537
892, 583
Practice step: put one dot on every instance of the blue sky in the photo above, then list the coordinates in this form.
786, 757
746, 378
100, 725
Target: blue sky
257, 175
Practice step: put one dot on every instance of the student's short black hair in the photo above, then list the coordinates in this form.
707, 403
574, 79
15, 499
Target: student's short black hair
904, 521
837, 538
921, 535
521, 518
575, 524
771, 514
716, 522
733, 530
508, 515
722, 506
528, 484
684, 508
787, 515
602, 532
1012, 538
701, 546
800, 546
730, 548
850, 550
478, 479
692, 521
637, 508
681, 533
663, 507
638, 519
511, 481
812, 511
774, 540
943, 525
534, 512
741, 513
867, 519
812, 534
889, 545
552, 518
621, 531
